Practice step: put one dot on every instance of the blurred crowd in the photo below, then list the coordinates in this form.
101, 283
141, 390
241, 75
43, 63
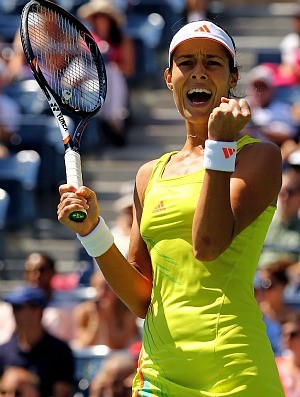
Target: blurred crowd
63, 334
130, 36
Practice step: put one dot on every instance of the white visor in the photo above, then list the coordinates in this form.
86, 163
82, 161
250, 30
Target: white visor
202, 29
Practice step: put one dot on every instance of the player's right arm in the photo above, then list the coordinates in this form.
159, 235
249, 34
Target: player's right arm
130, 279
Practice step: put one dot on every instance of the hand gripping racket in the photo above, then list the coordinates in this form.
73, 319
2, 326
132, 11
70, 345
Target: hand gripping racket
68, 66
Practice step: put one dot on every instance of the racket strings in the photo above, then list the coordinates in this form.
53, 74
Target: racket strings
65, 59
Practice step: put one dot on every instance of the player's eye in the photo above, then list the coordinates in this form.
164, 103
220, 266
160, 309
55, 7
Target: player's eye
184, 62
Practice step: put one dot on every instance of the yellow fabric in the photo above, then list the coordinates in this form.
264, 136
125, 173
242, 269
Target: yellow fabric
203, 334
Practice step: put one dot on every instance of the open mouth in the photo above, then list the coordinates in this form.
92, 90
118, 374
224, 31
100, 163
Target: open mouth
199, 96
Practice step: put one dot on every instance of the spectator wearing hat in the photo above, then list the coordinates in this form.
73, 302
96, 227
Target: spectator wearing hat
271, 117
40, 271
107, 25
33, 348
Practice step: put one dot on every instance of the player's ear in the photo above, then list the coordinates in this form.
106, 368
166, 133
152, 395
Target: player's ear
168, 78
234, 76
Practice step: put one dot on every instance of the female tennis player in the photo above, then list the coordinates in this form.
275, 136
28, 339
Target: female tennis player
200, 219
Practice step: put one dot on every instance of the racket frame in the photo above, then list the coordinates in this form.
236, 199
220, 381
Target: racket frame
71, 144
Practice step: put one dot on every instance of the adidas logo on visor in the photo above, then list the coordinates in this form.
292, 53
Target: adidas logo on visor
202, 29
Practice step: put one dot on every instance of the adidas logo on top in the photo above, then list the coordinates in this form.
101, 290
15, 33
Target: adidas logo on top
159, 208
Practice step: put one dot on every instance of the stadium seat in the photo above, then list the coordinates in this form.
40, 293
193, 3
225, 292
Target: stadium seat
28, 95
4, 202
146, 32
41, 134
9, 24
171, 15
87, 364
268, 55
18, 176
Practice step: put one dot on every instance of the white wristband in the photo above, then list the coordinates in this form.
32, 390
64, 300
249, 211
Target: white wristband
98, 241
219, 156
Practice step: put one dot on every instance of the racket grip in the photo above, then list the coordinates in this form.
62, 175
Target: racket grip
74, 178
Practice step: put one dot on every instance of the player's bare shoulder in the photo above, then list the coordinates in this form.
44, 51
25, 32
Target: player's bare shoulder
260, 154
260, 164
142, 178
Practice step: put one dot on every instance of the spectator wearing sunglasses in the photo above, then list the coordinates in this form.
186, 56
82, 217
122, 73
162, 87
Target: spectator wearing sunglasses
33, 348
289, 363
19, 382
40, 270
283, 237
270, 286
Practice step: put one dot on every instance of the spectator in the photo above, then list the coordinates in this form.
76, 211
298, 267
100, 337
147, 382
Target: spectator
289, 363
291, 41
283, 236
107, 24
18, 68
33, 348
115, 376
19, 382
288, 70
105, 320
7, 322
9, 113
270, 287
271, 118
291, 153
40, 271
196, 9
123, 222
293, 159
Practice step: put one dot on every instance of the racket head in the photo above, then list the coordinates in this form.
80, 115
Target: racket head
63, 57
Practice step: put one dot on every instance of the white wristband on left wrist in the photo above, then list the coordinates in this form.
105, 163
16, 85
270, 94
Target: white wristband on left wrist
219, 155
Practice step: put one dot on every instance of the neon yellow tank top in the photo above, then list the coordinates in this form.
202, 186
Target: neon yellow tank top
203, 334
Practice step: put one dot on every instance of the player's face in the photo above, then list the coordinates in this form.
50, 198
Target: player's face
200, 76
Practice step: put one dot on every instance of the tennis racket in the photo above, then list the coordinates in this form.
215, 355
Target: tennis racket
68, 66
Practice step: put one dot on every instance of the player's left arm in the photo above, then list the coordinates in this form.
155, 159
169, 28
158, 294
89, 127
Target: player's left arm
229, 202
255, 183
